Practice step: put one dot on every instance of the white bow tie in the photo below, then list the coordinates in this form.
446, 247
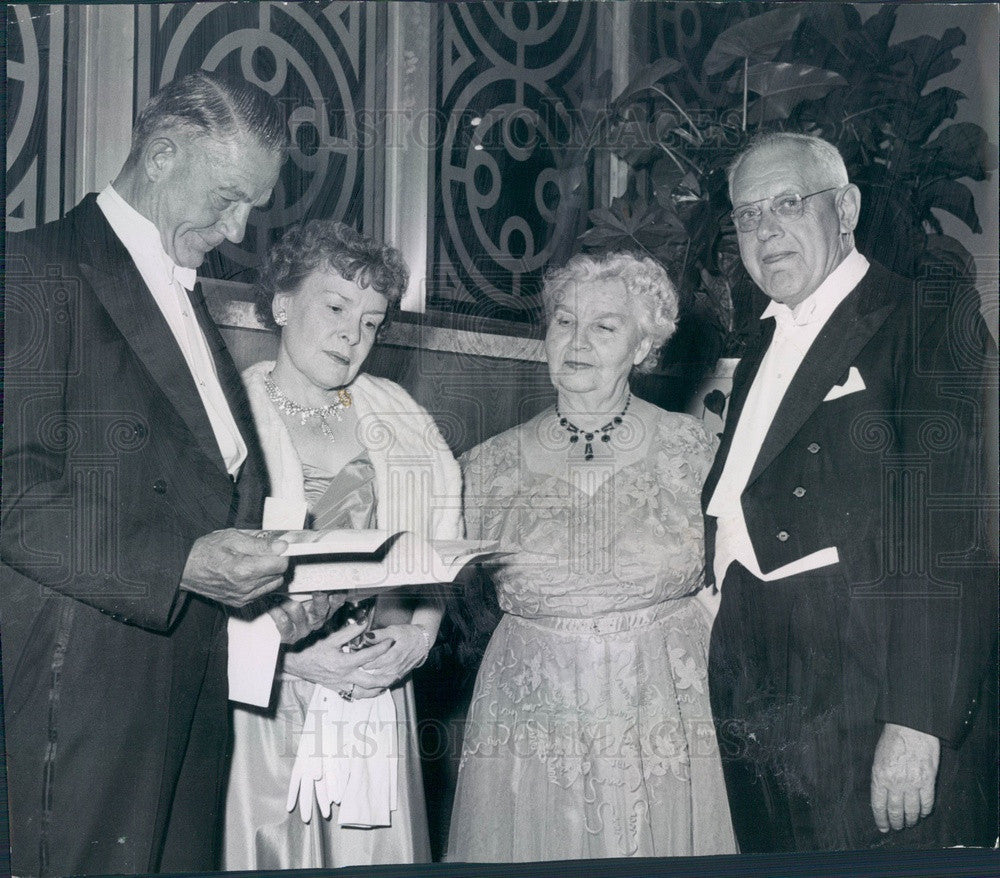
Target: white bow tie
788, 322
186, 277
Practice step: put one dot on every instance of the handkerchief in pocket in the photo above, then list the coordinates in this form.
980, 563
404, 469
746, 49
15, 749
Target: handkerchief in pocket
853, 384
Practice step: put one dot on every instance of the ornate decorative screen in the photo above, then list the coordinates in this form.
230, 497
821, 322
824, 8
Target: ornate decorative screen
509, 82
36, 80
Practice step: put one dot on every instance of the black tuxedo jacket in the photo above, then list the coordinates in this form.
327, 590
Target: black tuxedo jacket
892, 476
111, 472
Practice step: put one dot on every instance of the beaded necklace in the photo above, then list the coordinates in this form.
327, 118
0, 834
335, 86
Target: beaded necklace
588, 435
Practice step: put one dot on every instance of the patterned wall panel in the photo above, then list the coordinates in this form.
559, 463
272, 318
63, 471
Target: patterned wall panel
318, 60
510, 78
35, 137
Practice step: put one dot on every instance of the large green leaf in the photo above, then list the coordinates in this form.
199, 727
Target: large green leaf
930, 56
610, 220
758, 39
879, 27
604, 239
886, 203
954, 197
649, 75
664, 176
715, 296
782, 87
634, 141
826, 36
929, 111
671, 130
626, 226
960, 150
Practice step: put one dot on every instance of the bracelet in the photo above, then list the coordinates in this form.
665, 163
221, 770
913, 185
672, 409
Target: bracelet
427, 641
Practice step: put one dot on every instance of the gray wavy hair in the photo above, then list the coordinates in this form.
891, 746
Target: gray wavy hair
646, 284
214, 105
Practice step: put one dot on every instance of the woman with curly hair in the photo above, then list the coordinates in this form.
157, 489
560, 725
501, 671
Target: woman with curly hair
331, 776
590, 733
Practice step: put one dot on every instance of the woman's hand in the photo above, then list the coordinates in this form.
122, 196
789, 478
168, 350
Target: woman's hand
297, 619
323, 662
409, 648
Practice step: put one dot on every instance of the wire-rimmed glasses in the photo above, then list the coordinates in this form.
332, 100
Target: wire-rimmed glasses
785, 207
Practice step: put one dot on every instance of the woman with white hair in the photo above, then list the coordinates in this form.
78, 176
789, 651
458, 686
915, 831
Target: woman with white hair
590, 733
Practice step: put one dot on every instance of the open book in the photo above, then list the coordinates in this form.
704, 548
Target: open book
361, 561
351, 560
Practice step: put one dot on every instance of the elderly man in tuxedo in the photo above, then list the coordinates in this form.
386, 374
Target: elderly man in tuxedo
852, 661
130, 465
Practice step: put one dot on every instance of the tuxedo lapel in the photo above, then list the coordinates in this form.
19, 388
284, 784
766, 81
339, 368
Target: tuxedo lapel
849, 329
115, 280
743, 378
229, 379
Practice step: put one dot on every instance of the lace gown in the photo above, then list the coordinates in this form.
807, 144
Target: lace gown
260, 834
590, 733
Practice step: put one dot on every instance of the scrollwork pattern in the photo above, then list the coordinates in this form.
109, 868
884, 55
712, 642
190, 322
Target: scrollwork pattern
506, 98
34, 93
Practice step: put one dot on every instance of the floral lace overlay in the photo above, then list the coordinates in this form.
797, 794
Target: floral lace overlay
635, 542
590, 733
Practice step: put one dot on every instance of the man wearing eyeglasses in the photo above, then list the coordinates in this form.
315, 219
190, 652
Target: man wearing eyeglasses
853, 659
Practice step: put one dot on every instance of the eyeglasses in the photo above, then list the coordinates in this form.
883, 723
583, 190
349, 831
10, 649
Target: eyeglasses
785, 207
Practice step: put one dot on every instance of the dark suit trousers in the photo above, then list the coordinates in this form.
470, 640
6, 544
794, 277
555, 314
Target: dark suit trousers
793, 672
115, 756
193, 805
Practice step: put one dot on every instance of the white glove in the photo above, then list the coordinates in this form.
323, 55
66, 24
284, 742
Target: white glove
307, 772
361, 777
348, 755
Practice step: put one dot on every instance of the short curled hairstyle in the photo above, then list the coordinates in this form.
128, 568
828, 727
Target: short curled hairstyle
318, 244
213, 105
647, 287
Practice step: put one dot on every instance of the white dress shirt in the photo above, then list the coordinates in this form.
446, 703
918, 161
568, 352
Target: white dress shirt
168, 283
797, 328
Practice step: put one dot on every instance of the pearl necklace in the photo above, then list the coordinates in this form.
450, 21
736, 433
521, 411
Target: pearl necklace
324, 412
588, 435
